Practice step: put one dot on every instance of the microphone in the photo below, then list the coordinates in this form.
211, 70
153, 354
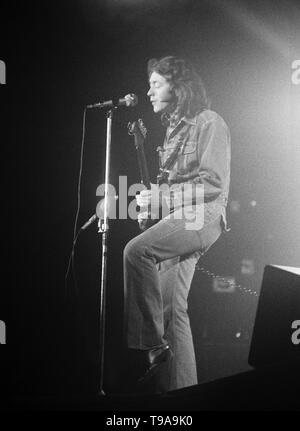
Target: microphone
129, 100
89, 222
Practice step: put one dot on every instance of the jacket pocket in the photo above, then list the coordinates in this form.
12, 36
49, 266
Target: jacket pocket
189, 147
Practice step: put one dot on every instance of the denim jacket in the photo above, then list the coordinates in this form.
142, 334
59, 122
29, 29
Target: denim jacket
204, 158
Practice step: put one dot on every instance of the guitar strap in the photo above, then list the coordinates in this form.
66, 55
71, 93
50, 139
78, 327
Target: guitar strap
171, 159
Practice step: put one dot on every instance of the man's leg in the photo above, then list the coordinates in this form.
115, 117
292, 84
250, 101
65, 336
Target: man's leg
167, 239
176, 278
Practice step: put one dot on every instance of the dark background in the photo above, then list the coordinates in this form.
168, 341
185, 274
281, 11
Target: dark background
63, 55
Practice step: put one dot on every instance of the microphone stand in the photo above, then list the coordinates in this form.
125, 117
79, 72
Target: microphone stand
103, 226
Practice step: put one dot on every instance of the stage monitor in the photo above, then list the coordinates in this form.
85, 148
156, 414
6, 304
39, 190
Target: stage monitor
276, 332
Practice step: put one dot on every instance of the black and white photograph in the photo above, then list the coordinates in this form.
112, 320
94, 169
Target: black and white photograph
151, 209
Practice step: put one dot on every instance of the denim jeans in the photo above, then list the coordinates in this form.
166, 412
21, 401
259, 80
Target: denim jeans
159, 265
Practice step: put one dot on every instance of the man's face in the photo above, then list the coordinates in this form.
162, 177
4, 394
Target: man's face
160, 93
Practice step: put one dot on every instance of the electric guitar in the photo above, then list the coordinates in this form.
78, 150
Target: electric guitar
138, 130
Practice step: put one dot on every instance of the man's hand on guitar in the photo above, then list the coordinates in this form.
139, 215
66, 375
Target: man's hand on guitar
151, 200
150, 203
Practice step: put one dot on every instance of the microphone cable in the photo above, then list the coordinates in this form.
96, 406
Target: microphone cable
75, 233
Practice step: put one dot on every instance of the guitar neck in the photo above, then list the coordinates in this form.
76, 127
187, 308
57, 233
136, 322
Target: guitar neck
144, 173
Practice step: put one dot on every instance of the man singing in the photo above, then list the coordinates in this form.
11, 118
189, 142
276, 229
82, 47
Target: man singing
159, 263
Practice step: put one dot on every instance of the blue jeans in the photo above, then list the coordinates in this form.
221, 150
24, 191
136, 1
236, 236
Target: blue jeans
159, 265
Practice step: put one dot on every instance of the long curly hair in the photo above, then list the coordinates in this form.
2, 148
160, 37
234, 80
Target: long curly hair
191, 97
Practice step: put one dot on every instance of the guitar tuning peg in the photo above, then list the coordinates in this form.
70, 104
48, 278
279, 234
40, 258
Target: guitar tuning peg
142, 127
129, 128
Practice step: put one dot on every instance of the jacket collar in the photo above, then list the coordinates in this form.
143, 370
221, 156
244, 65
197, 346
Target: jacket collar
191, 121
169, 121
